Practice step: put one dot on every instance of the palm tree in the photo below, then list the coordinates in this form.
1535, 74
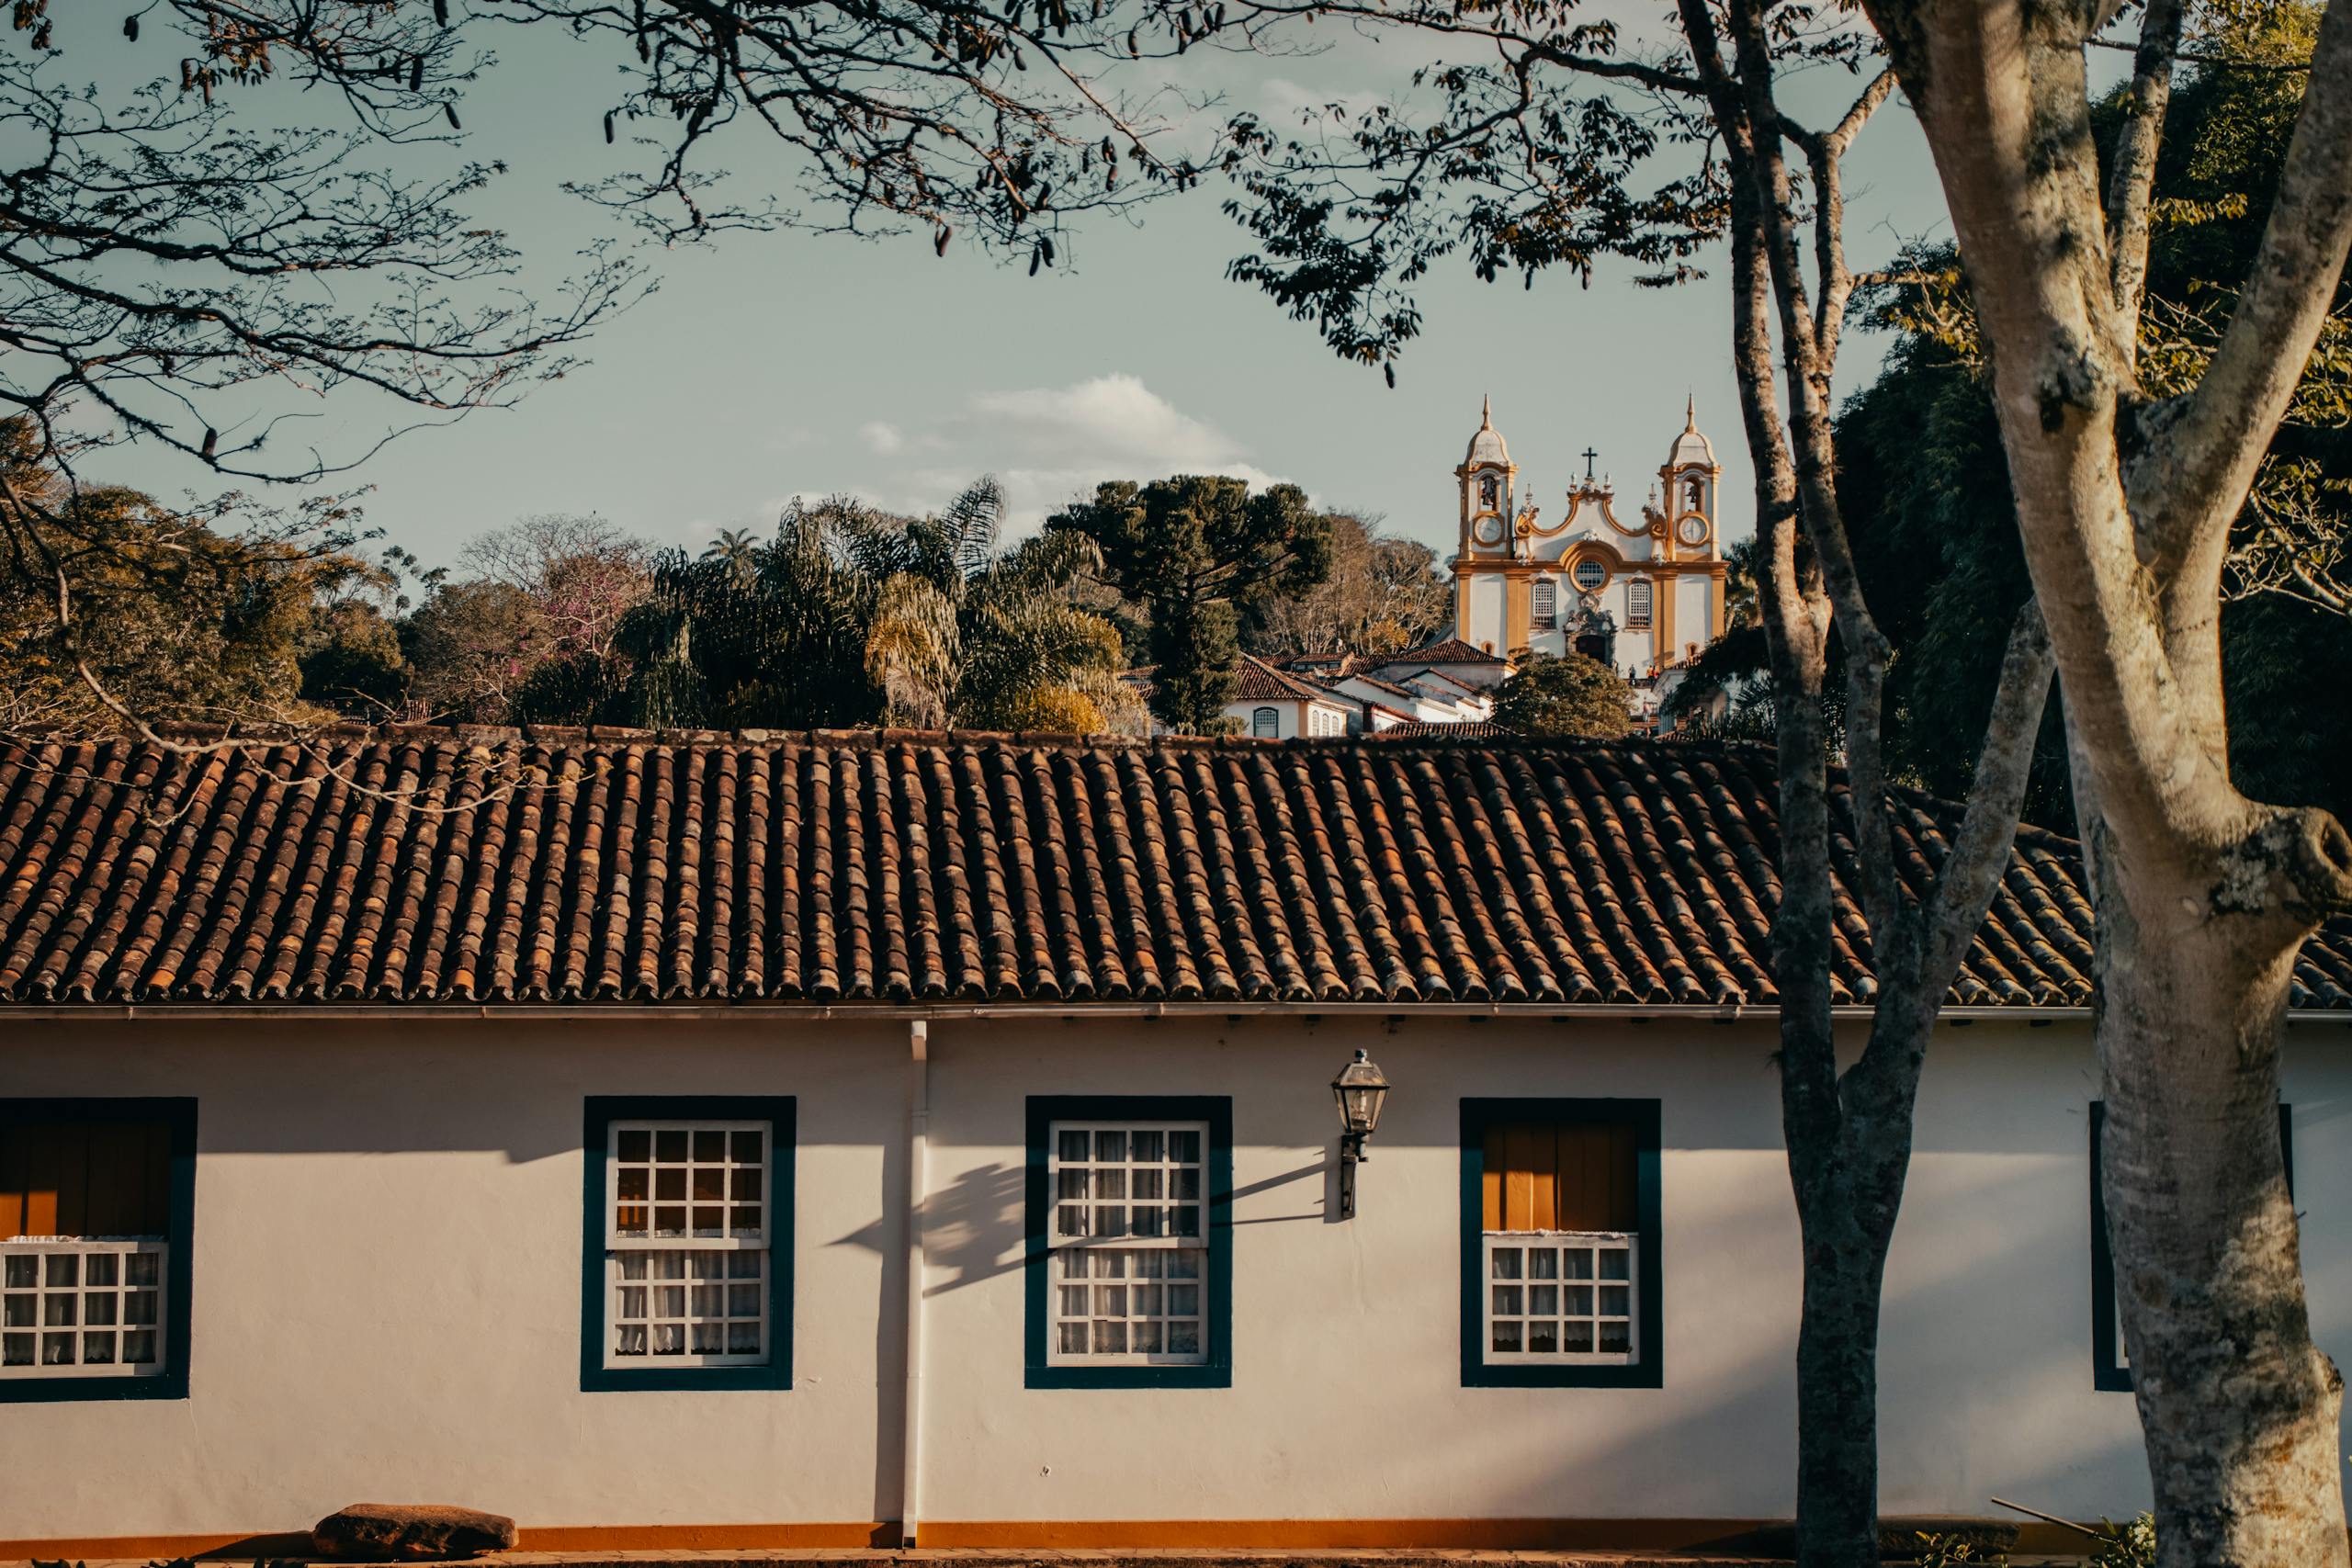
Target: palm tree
966, 635
852, 616
738, 549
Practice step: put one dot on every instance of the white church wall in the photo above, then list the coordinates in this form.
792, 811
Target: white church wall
1486, 615
387, 1285
1693, 611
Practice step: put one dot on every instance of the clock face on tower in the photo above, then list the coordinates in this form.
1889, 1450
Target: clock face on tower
1693, 530
1487, 530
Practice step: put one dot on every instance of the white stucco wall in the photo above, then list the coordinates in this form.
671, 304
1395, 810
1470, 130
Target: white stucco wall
386, 1289
1693, 611
1486, 613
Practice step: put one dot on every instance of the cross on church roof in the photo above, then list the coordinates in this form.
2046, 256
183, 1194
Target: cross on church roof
1588, 455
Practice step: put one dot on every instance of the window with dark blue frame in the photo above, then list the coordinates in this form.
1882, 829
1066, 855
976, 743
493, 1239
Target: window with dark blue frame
686, 1250
1129, 1268
1562, 1281
2110, 1361
97, 1233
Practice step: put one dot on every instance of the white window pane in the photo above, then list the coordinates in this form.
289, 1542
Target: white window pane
81, 1308
688, 1259
1560, 1297
1140, 1186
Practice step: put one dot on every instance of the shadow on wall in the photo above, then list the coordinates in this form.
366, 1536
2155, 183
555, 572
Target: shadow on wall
976, 1228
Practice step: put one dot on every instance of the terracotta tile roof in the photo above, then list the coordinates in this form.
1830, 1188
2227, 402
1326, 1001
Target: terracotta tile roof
896, 867
1445, 729
1447, 650
1377, 684
1259, 682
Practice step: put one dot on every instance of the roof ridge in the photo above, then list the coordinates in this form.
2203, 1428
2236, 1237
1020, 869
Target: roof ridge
223, 738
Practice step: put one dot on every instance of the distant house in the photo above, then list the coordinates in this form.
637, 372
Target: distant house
692, 1144
1268, 705
1389, 704
1473, 669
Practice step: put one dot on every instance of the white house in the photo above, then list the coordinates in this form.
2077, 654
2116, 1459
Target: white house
1269, 704
1388, 704
698, 1142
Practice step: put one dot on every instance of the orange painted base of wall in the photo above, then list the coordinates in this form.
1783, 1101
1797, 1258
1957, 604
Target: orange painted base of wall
1313, 1535
1059, 1535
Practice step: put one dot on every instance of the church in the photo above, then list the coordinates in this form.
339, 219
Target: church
1643, 595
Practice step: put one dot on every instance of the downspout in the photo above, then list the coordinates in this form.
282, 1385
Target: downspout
918, 1153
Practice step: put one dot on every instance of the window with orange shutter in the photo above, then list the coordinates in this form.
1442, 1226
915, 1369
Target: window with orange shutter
1561, 1270
94, 1196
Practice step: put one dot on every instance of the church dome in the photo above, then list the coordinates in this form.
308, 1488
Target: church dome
1487, 445
1691, 447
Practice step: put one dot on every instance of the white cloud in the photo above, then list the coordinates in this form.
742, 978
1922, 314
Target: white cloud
1109, 419
1286, 104
1049, 445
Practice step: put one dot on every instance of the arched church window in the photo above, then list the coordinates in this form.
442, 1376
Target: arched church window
1265, 723
1591, 576
1638, 603
1490, 492
1547, 603
1696, 493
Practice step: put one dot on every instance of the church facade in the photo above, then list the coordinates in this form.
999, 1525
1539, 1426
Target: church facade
1641, 594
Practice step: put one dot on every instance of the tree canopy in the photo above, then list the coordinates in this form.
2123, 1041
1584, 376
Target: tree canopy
1572, 695
1192, 551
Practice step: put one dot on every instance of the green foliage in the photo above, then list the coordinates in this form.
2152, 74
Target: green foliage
1567, 696
174, 619
1192, 551
853, 616
2132, 1545
351, 661
781, 645
1515, 162
1923, 478
1937, 1550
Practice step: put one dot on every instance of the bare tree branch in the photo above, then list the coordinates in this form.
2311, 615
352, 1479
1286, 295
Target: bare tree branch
1980, 854
2133, 183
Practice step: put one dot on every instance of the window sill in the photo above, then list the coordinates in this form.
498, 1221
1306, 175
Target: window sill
655, 1380
1129, 1377
80, 1389
1563, 1375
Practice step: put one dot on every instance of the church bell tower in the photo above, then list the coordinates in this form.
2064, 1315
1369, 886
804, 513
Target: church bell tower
1488, 478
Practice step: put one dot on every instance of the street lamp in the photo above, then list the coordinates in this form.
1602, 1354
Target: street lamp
1359, 1089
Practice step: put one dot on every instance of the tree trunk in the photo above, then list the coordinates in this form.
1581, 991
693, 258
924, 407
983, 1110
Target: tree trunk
1845, 1264
2202, 896
2239, 1407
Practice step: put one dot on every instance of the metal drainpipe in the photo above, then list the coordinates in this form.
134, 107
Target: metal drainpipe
918, 1152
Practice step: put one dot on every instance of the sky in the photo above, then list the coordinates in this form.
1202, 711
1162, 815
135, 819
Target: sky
773, 364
